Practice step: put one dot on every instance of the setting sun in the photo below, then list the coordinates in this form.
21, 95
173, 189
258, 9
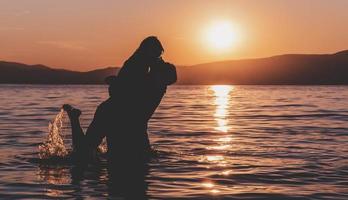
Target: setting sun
221, 35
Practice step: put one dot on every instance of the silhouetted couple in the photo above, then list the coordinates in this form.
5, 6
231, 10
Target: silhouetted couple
135, 93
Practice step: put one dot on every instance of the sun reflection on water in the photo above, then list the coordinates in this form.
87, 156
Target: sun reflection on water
210, 187
222, 97
221, 116
219, 147
208, 184
215, 156
57, 175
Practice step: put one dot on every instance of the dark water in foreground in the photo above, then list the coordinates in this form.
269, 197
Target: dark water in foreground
214, 142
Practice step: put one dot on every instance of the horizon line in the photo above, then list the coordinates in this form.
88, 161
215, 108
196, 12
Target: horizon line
181, 65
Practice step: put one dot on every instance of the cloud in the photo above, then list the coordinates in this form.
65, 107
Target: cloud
70, 45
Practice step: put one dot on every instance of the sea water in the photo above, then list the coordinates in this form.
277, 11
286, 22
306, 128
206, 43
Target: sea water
214, 142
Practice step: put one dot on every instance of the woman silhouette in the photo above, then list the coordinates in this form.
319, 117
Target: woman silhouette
123, 118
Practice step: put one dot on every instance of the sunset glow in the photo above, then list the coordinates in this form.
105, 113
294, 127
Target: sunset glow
91, 34
221, 36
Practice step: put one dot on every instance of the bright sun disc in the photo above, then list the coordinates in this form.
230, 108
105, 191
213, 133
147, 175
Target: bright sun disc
221, 35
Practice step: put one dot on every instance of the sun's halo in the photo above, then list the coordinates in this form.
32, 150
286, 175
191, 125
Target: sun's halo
220, 35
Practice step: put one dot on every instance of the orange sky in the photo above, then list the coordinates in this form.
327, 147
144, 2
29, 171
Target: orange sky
89, 34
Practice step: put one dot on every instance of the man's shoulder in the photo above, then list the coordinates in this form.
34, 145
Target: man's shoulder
106, 105
170, 74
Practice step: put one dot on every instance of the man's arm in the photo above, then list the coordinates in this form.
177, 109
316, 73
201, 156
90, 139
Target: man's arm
159, 78
163, 74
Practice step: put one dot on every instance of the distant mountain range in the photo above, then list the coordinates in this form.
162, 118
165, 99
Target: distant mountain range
17, 73
291, 69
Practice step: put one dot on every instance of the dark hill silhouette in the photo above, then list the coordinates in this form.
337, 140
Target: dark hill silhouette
292, 69
39, 74
285, 69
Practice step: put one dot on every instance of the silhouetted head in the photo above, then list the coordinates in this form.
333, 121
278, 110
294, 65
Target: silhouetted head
150, 48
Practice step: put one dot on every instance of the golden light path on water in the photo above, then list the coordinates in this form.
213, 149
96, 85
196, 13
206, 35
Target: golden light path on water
222, 97
222, 102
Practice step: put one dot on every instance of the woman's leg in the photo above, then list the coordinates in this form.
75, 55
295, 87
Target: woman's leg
78, 135
85, 145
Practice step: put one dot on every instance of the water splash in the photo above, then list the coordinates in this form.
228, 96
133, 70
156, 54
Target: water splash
54, 144
103, 147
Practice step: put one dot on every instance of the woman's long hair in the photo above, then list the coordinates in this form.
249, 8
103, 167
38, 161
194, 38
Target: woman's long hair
150, 48
147, 54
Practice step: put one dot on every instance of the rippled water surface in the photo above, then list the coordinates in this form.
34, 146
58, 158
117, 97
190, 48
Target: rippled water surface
214, 142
